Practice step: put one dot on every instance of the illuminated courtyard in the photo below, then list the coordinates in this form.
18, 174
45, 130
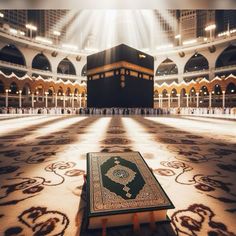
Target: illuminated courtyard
43, 162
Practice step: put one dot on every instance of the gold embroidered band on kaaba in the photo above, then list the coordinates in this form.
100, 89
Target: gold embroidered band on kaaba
120, 64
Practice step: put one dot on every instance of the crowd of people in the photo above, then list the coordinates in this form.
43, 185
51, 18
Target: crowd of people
84, 111
120, 111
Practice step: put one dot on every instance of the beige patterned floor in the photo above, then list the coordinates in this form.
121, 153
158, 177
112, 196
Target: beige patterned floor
42, 163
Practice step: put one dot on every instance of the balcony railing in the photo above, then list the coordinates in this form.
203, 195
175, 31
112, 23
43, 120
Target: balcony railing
197, 73
41, 72
13, 65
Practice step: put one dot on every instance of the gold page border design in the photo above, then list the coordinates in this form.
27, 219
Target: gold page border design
97, 191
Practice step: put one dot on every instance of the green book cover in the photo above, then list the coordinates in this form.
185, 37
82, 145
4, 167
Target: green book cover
119, 183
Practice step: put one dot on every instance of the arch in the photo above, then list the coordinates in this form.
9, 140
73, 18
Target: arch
84, 70
203, 91
156, 94
66, 67
231, 88
10, 53
68, 91
192, 92
192, 97
39, 90
196, 63
60, 91
183, 97
51, 91
13, 88
217, 90
183, 92
164, 93
26, 89
2, 87
216, 95
83, 94
50, 96
41, 62
173, 92
76, 91
230, 95
167, 67
227, 57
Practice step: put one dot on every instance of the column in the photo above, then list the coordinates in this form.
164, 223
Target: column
223, 101
64, 100
6, 101
37, 97
187, 100
79, 100
210, 100
46, 99
159, 101
73, 104
32, 99
178, 100
197, 99
168, 100
56, 100
20, 100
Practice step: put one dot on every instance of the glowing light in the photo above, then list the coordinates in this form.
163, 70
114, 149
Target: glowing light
22, 33
142, 56
43, 40
1, 15
232, 31
224, 34
177, 36
57, 33
31, 27
191, 41
210, 27
13, 31
133, 27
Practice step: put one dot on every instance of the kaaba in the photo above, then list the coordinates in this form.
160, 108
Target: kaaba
120, 77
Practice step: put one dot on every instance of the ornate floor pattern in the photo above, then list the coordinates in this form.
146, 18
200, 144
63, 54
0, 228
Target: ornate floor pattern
43, 161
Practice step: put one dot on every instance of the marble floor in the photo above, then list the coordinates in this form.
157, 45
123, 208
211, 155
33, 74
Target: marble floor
43, 162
